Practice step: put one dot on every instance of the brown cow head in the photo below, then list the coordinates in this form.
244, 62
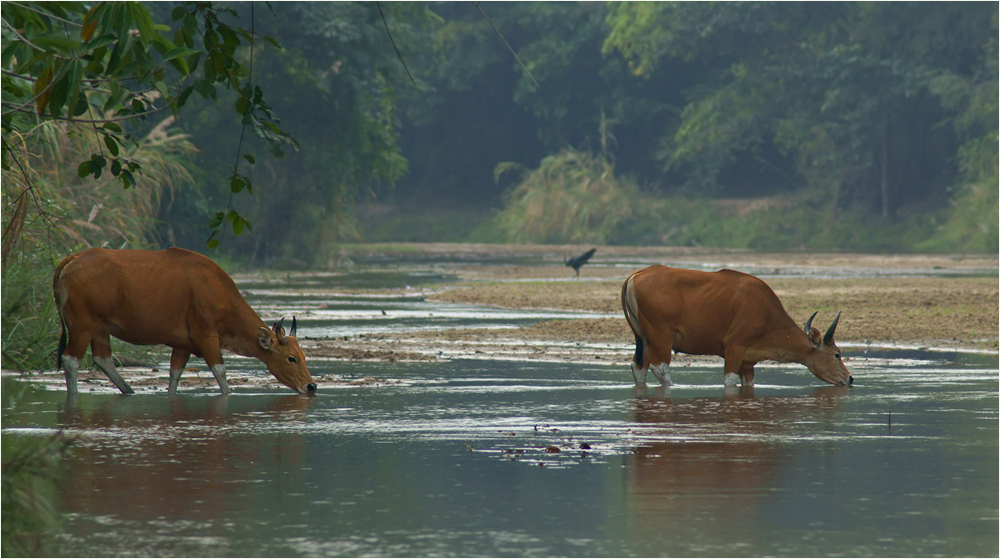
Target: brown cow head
284, 357
826, 363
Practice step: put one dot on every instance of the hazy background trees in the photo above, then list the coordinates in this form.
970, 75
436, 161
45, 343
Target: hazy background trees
767, 125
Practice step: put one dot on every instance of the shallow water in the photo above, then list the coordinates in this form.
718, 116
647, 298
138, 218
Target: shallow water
510, 458
458, 459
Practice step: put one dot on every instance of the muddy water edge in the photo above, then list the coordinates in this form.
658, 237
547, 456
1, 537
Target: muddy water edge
445, 427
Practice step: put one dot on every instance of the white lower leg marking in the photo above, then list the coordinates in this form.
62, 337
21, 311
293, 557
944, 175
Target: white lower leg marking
638, 374
732, 379
220, 375
107, 364
662, 372
175, 380
71, 366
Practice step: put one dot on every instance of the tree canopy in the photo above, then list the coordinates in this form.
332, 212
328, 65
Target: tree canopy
879, 113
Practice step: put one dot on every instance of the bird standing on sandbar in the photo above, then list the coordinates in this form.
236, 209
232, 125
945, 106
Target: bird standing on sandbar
578, 261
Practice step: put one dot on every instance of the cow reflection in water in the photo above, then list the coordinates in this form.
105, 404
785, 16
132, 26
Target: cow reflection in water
715, 458
151, 463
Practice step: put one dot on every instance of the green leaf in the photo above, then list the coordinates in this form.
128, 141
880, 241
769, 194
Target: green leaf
250, 158
112, 147
112, 126
241, 105
178, 13
238, 225
205, 89
102, 41
81, 106
58, 94
182, 98
128, 181
84, 169
217, 220
144, 22
60, 43
116, 167
236, 184
177, 52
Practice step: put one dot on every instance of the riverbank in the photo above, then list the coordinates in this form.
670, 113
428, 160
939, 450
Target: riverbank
930, 301
902, 301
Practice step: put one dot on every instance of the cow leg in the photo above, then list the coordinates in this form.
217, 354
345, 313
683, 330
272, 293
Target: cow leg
219, 370
72, 356
178, 359
639, 374
734, 364
213, 357
746, 374
100, 348
71, 369
659, 348
662, 372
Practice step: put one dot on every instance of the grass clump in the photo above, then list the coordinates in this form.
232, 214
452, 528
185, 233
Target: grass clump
572, 197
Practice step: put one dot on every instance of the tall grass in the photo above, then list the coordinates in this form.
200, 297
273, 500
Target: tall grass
572, 197
50, 212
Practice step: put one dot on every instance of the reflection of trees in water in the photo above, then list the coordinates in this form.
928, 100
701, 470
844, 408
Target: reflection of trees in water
151, 463
711, 460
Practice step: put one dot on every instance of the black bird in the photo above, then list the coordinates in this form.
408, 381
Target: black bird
578, 261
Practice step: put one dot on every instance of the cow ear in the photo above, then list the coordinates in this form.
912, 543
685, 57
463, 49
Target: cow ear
814, 337
265, 337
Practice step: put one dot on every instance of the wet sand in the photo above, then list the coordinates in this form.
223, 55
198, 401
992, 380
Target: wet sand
885, 306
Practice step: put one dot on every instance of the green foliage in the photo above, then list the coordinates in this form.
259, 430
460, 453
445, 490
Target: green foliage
339, 77
847, 98
107, 67
29, 322
572, 197
484, 108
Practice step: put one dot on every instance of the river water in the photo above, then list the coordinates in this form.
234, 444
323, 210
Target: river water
508, 458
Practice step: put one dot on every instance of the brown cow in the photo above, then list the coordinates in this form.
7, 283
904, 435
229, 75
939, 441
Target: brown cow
173, 297
726, 313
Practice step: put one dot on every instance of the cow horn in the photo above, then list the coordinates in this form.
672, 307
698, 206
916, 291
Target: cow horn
292, 331
828, 337
809, 322
277, 329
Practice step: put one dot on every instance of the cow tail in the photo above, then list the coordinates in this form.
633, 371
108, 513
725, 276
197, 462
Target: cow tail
59, 307
630, 310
